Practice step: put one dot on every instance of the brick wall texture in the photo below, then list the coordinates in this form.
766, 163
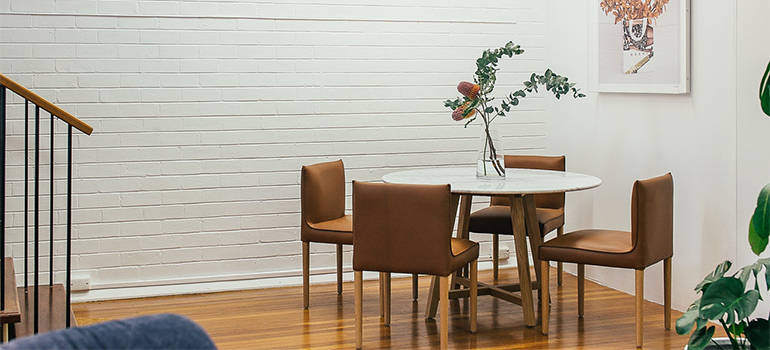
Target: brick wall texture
204, 112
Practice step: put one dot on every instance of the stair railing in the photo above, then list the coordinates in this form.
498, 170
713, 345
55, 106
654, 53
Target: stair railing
56, 113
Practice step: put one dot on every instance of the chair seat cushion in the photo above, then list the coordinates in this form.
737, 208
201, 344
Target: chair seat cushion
497, 219
593, 247
337, 231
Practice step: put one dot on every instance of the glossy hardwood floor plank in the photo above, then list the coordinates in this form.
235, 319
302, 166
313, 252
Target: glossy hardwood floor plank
275, 318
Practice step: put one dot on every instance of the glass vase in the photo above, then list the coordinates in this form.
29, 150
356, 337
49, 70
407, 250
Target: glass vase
490, 163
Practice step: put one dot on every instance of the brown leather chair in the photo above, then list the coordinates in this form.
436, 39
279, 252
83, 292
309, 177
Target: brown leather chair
323, 216
650, 241
496, 219
322, 200
408, 229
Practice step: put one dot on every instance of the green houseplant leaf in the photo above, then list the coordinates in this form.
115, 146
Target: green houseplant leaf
684, 324
725, 297
755, 270
759, 226
731, 300
764, 91
718, 273
757, 333
700, 338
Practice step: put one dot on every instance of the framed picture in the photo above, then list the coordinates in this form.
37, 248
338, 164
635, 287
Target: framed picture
640, 46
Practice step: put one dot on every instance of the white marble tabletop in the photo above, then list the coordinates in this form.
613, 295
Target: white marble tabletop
517, 181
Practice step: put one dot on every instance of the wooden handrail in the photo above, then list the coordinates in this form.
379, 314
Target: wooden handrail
44, 104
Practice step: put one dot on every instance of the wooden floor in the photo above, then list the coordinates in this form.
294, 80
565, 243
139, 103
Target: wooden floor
275, 319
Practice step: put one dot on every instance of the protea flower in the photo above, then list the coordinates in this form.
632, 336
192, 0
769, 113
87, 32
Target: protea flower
468, 89
460, 112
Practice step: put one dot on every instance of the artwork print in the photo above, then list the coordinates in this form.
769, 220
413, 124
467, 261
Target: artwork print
641, 46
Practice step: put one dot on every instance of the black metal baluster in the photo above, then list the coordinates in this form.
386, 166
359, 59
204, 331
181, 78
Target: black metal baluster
26, 195
2, 198
69, 222
50, 211
37, 217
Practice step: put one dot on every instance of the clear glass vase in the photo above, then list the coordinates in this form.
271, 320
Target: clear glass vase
490, 163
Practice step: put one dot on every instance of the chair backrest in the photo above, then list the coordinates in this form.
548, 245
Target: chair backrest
402, 228
550, 200
652, 220
322, 194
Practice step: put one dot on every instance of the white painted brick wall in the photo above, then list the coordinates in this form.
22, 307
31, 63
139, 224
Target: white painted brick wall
205, 111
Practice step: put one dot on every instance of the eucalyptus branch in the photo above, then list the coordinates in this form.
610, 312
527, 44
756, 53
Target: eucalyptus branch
476, 97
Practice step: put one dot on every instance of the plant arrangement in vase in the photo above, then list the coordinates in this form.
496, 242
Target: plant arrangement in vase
476, 101
730, 299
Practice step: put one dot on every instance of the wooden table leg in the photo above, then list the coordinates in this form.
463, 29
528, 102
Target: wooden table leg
518, 219
534, 234
465, 214
462, 232
432, 303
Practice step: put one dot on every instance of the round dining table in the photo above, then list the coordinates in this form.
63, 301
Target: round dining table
519, 185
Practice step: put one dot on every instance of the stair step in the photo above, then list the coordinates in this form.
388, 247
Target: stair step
51, 312
12, 311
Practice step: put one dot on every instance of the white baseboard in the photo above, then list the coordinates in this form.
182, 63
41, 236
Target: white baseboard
289, 278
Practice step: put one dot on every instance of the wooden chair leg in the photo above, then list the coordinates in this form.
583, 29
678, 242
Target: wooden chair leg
433, 295
581, 275
382, 294
639, 293
545, 306
495, 256
306, 274
339, 268
387, 299
667, 292
444, 310
415, 286
559, 264
359, 286
474, 293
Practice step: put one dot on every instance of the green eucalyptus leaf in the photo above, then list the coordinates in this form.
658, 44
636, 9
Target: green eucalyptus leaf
726, 298
759, 226
486, 76
758, 333
700, 338
453, 104
685, 323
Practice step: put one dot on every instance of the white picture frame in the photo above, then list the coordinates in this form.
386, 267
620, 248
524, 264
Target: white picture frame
616, 50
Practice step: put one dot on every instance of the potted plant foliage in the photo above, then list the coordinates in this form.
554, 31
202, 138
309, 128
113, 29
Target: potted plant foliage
730, 299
